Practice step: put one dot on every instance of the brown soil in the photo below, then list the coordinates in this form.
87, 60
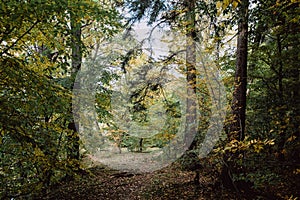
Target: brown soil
169, 183
102, 183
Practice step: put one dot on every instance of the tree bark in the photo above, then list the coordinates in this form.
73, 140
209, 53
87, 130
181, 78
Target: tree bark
191, 109
76, 59
237, 126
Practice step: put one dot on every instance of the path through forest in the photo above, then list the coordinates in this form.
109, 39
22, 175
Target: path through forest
101, 183
168, 183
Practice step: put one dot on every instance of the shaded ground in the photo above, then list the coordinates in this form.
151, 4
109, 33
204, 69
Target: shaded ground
168, 183
164, 184
137, 162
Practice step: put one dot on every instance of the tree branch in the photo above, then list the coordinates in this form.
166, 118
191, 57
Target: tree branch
26, 32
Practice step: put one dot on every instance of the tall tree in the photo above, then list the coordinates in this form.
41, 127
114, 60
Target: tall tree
191, 37
76, 60
34, 91
181, 15
237, 126
275, 74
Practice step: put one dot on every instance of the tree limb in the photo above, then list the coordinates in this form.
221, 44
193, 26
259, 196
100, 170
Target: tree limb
26, 32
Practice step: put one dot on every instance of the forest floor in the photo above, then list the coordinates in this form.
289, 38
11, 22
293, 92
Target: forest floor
168, 183
102, 183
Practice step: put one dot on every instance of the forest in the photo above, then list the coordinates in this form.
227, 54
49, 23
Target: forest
150, 99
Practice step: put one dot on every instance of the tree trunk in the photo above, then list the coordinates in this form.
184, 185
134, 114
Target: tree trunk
73, 139
141, 145
237, 125
282, 110
191, 109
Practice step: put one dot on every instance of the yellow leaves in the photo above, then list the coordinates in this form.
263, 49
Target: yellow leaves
209, 49
38, 152
219, 4
235, 4
225, 4
296, 171
251, 145
292, 138
258, 148
222, 5
270, 142
138, 61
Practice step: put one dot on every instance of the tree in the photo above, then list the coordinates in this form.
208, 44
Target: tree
76, 60
237, 128
179, 15
267, 121
275, 72
35, 51
191, 71
237, 123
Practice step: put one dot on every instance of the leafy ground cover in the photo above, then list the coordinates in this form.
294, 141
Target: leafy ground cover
100, 182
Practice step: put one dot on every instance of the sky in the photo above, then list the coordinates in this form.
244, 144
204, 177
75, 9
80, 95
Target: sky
142, 31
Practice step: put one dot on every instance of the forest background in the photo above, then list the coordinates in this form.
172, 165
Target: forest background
254, 45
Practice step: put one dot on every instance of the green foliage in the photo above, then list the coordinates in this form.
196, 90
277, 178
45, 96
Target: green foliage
249, 162
274, 98
159, 140
35, 96
33, 129
259, 178
189, 161
272, 122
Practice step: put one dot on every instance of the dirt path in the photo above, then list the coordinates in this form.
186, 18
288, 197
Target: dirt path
101, 183
135, 162
168, 183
